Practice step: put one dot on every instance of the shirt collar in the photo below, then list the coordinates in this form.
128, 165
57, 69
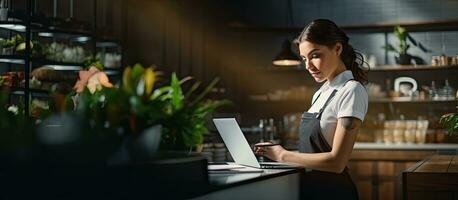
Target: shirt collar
338, 81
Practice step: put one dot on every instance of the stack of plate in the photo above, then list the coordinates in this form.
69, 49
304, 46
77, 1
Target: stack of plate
207, 151
219, 153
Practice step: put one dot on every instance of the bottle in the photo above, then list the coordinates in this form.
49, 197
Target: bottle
261, 130
447, 90
379, 128
271, 130
433, 90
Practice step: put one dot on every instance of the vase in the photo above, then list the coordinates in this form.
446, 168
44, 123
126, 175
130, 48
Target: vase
403, 59
145, 145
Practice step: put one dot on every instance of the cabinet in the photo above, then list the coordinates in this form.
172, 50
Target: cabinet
59, 45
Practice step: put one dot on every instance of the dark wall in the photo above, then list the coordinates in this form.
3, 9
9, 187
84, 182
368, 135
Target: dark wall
186, 37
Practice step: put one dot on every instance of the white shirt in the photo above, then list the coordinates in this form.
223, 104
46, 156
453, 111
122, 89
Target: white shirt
349, 101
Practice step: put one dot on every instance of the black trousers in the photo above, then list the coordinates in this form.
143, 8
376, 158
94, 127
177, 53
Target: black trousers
327, 185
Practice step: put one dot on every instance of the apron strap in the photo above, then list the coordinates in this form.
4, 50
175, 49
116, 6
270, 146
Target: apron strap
316, 99
329, 99
326, 103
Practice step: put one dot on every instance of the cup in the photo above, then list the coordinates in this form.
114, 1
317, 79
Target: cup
420, 132
398, 131
409, 132
388, 132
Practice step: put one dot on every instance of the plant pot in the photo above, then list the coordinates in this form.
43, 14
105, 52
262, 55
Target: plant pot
145, 145
403, 59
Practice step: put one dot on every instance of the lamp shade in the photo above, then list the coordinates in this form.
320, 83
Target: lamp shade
286, 57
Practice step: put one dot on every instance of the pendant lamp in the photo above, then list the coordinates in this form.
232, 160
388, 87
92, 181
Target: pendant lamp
287, 57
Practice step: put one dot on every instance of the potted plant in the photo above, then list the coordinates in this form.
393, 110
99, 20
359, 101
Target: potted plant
403, 57
9, 45
186, 114
450, 121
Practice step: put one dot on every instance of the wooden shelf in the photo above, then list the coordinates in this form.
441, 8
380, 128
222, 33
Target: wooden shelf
371, 100
411, 26
383, 68
410, 100
379, 68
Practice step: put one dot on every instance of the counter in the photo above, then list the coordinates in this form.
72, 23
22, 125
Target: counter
269, 184
433, 178
376, 168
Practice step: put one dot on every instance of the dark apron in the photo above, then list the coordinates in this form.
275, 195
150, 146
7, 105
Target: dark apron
319, 184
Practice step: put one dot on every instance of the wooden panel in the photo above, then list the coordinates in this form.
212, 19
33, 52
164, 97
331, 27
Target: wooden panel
390, 155
365, 168
364, 189
386, 168
386, 190
432, 182
453, 168
435, 164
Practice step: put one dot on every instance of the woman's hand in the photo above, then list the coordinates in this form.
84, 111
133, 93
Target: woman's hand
274, 152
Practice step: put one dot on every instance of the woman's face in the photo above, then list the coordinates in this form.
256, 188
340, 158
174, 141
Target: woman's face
321, 61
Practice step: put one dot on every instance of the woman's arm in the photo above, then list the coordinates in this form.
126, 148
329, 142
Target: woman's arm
334, 161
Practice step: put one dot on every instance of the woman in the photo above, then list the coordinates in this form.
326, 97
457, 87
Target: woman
328, 130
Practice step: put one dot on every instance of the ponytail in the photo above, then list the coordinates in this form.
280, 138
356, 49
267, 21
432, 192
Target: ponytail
354, 61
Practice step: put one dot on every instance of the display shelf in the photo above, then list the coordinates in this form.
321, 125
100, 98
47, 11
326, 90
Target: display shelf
411, 26
112, 71
405, 146
379, 68
61, 66
82, 36
299, 103
383, 68
17, 26
33, 92
412, 100
13, 59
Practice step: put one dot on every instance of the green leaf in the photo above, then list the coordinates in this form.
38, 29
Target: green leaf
137, 73
191, 90
206, 90
390, 47
177, 93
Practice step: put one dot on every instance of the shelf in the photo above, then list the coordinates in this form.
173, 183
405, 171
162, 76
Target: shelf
61, 66
112, 72
411, 100
405, 146
12, 59
411, 26
13, 26
107, 44
383, 68
380, 68
33, 92
371, 100
75, 35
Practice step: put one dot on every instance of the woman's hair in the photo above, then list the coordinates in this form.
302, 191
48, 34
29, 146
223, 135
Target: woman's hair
326, 32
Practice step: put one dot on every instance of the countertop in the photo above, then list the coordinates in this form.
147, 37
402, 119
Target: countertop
219, 181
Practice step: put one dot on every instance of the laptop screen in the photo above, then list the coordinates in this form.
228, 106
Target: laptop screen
235, 142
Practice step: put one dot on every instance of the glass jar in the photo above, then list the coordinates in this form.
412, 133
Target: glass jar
398, 132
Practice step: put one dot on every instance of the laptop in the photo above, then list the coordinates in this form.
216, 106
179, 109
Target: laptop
239, 148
